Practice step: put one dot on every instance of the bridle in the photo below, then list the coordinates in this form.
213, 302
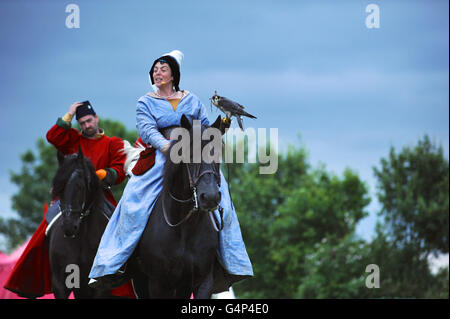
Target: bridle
67, 210
194, 179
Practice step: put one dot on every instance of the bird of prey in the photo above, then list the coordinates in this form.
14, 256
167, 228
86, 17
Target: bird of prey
230, 108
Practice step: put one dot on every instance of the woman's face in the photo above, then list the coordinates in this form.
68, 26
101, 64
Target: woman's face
162, 75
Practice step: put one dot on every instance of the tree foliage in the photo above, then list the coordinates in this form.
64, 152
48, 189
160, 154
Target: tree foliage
413, 188
284, 215
299, 228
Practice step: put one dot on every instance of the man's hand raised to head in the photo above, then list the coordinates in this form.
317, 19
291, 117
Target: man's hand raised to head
73, 108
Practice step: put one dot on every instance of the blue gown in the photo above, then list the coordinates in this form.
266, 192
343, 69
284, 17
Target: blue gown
130, 217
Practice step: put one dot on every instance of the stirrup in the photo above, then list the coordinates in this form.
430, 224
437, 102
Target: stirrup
94, 283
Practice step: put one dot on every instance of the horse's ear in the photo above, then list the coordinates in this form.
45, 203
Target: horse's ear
80, 152
216, 124
84, 165
184, 122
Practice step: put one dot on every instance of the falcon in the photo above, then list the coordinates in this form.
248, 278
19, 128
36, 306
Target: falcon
230, 108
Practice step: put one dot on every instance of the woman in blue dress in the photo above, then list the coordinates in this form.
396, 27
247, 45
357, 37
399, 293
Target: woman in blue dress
157, 110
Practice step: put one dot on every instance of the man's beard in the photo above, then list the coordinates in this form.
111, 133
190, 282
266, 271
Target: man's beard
90, 132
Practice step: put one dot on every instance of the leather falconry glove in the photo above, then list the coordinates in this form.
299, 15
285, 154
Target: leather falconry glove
101, 174
106, 176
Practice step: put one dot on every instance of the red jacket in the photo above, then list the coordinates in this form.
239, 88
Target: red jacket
104, 152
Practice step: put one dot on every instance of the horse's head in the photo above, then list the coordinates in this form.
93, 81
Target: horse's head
200, 155
74, 183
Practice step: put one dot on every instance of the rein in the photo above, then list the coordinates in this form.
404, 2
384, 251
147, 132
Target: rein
193, 181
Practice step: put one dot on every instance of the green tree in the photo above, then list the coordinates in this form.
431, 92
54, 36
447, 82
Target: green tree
404, 272
284, 215
410, 183
336, 270
34, 183
413, 188
325, 208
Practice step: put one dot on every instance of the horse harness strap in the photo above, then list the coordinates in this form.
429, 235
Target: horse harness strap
211, 215
87, 211
213, 219
84, 212
180, 222
193, 181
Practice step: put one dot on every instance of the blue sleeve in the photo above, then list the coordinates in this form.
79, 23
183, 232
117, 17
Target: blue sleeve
202, 115
147, 128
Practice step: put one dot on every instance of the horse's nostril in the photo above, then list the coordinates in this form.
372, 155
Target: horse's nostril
207, 197
210, 199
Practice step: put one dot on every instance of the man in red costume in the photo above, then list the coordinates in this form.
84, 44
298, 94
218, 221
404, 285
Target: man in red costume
31, 274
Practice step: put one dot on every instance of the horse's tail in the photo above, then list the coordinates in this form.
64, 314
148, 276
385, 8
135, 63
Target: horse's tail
132, 154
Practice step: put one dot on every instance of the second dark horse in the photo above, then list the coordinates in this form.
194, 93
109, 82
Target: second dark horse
75, 236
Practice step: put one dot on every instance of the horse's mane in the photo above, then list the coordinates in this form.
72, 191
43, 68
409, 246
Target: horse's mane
171, 168
65, 170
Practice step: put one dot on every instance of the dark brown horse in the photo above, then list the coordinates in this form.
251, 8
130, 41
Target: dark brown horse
177, 251
75, 236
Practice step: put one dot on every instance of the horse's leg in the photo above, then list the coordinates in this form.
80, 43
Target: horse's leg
57, 271
204, 290
92, 293
184, 289
59, 287
158, 289
140, 283
140, 286
138, 278
86, 292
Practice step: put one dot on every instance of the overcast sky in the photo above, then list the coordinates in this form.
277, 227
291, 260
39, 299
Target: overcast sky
312, 68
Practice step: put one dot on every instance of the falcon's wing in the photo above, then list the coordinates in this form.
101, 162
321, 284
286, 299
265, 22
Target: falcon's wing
233, 107
228, 104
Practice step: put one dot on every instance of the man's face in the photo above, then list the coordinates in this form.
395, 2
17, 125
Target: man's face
89, 125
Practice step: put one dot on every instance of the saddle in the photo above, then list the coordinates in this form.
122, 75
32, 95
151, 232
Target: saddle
147, 156
145, 162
